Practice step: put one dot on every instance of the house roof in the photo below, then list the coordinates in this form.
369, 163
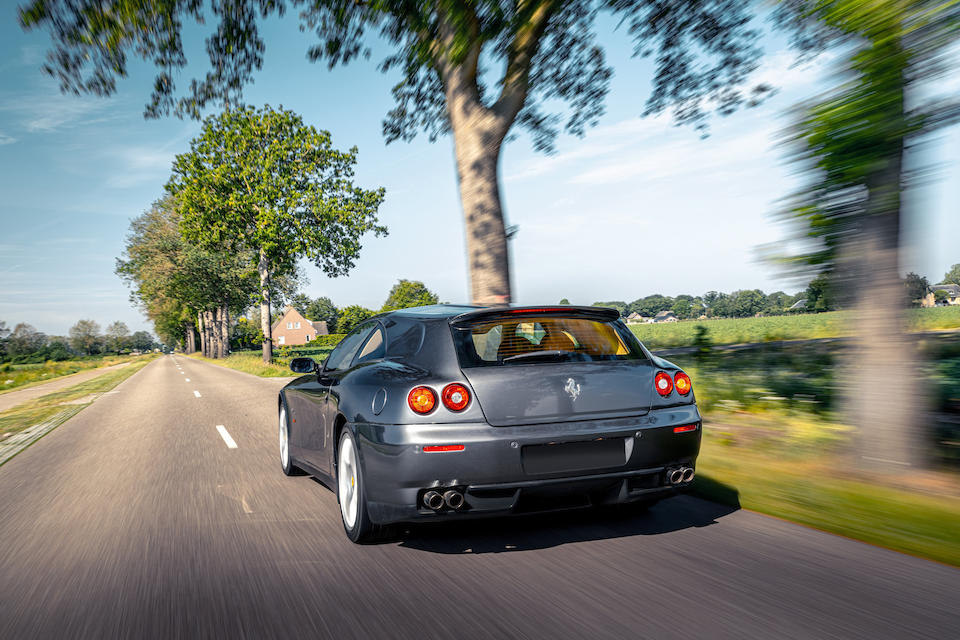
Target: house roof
799, 304
665, 314
283, 318
320, 326
952, 289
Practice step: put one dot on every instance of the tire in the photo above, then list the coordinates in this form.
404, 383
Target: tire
286, 461
351, 491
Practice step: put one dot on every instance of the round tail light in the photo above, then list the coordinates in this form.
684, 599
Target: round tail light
455, 397
663, 383
682, 382
422, 399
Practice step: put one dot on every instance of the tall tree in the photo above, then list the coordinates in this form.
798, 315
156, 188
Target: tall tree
85, 337
261, 179
116, 336
474, 69
323, 309
916, 287
409, 293
25, 339
352, 316
851, 143
952, 276
185, 289
300, 302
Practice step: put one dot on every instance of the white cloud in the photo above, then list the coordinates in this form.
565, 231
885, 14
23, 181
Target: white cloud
5, 139
45, 110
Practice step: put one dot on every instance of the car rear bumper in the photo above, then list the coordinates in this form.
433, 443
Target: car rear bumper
503, 470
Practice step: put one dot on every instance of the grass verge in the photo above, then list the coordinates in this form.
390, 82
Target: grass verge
21, 376
248, 362
56, 407
820, 493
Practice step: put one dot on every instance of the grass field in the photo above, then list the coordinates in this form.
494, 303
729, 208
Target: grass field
18, 376
45, 407
807, 326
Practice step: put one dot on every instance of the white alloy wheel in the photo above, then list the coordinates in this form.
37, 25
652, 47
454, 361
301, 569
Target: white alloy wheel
347, 482
285, 463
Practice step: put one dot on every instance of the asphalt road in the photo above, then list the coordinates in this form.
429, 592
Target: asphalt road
135, 520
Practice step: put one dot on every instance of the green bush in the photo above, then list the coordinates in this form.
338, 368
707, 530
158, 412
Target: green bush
331, 340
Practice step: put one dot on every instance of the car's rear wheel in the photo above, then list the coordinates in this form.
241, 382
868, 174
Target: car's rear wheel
286, 462
351, 490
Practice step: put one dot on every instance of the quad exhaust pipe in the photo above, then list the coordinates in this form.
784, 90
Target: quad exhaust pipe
432, 500
450, 498
679, 475
453, 499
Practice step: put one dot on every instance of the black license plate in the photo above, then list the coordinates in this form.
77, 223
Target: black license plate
574, 456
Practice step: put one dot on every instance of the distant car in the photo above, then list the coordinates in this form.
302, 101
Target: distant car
447, 412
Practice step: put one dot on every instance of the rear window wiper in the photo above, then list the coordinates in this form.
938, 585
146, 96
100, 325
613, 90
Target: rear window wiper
536, 354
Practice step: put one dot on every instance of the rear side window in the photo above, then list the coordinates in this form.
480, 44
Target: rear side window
341, 357
373, 349
519, 340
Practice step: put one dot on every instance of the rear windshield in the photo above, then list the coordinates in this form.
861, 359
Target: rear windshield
529, 339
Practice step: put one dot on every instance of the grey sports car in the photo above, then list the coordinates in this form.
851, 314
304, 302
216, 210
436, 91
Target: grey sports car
455, 412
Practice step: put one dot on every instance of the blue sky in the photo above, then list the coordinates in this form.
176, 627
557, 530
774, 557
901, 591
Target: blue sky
636, 207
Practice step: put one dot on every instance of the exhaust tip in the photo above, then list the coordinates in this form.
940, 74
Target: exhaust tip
688, 474
432, 500
676, 476
453, 499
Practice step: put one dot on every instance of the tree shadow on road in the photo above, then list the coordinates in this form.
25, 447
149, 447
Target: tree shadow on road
524, 533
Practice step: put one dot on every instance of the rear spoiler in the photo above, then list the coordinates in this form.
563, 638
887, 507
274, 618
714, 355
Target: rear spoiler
604, 314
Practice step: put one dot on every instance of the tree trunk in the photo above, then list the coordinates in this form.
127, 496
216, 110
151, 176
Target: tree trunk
478, 158
263, 268
884, 393
225, 320
217, 333
201, 334
189, 340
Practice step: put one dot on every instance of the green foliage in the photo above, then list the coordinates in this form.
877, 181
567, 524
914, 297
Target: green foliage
651, 305
85, 337
24, 340
940, 296
619, 305
406, 294
323, 342
916, 287
789, 327
952, 276
300, 302
703, 52
563, 301
172, 279
352, 316
323, 309
820, 294
263, 180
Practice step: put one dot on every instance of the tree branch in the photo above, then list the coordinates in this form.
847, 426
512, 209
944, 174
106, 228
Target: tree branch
520, 54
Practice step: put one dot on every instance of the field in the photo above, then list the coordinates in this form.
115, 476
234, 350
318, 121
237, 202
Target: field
17, 376
807, 326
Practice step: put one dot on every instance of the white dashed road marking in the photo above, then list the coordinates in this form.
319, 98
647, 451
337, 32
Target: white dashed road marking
231, 444
196, 393
187, 380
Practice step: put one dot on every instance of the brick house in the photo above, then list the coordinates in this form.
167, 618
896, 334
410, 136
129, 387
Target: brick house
293, 328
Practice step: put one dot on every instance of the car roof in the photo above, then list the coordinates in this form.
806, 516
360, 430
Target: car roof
467, 312
434, 311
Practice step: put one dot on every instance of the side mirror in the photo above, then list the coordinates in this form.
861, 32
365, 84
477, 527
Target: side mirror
303, 365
